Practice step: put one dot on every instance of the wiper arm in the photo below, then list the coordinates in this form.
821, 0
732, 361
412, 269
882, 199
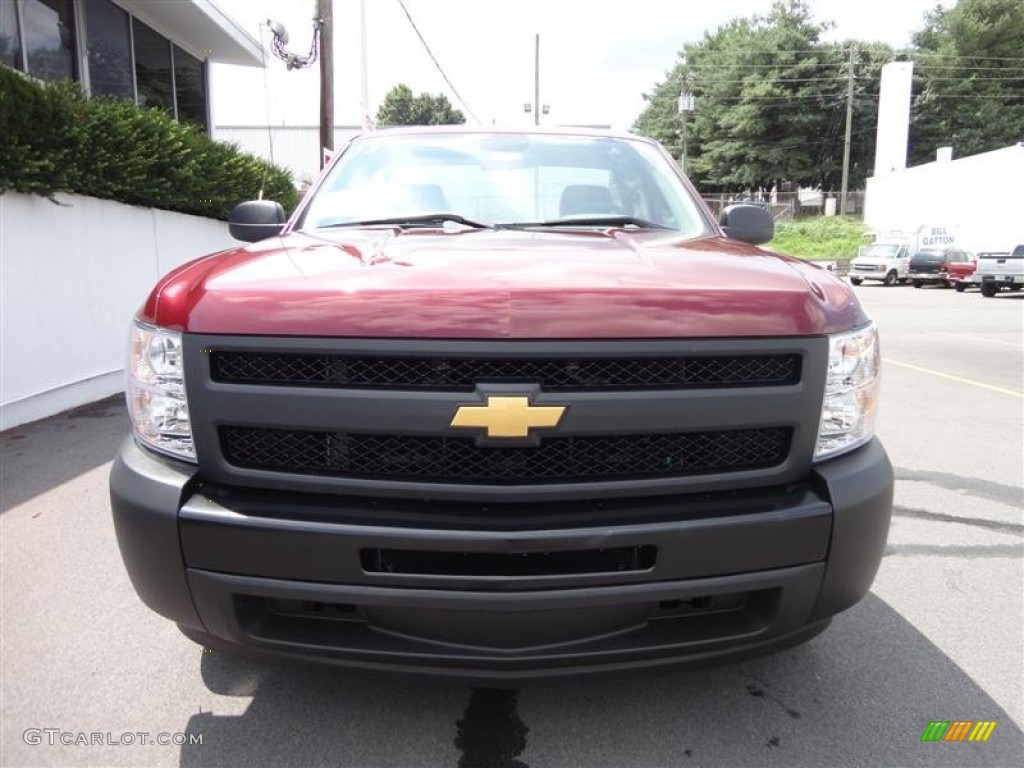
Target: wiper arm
421, 219
611, 220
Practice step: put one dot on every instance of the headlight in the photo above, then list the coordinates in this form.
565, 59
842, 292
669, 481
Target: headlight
851, 392
156, 392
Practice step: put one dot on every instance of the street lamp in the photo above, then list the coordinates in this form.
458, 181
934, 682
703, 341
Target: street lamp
293, 60
323, 44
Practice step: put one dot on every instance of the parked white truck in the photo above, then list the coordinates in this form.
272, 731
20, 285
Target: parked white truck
1000, 270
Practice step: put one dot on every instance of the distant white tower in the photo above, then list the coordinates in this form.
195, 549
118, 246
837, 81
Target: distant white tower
893, 117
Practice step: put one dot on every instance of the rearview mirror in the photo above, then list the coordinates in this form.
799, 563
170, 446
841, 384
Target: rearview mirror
749, 223
256, 220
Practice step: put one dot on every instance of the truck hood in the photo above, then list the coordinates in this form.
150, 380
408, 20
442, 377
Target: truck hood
501, 284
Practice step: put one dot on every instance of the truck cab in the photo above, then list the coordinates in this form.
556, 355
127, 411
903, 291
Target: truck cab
884, 262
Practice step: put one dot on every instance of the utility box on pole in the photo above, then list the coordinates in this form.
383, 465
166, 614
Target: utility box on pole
685, 105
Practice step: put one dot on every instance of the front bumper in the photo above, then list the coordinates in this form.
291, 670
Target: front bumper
380, 584
868, 273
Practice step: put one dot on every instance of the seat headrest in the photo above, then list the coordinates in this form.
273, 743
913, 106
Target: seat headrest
585, 198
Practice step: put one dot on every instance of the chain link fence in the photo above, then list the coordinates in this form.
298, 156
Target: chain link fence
789, 205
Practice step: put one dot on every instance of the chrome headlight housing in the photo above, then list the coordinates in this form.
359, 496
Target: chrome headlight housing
851, 392
155, 390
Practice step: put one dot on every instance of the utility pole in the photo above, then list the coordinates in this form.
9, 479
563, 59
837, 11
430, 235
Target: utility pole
536, 79
849, 129
325, 10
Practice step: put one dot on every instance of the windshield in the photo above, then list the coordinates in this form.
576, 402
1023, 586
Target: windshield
503, 180
880, 251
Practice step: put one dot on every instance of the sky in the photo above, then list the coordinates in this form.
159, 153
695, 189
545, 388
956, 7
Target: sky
596, 59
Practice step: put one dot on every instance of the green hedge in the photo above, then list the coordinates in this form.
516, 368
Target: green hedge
52, 139
821, 237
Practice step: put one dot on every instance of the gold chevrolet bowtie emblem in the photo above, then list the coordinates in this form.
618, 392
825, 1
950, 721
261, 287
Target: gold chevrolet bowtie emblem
508, 416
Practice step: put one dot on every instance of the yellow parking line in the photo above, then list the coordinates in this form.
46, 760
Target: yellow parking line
978, 338
951, 377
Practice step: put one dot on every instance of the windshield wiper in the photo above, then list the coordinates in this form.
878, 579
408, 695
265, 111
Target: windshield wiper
611, 220
421, 219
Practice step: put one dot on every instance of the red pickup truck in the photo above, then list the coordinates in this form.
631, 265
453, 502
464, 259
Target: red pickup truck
501, 404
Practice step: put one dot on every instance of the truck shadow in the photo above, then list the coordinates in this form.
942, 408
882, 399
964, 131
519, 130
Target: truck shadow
973, 486
37, 457
862, 693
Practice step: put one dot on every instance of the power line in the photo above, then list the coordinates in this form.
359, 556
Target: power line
971, 79
965, 56
773, 80
782, 97
1013, 68
698, 54
992, 96
436, 64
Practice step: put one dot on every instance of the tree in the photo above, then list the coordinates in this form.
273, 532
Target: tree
969, 78
770, 103
400, 107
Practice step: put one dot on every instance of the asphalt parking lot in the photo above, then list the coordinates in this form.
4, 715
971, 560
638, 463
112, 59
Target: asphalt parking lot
941, 637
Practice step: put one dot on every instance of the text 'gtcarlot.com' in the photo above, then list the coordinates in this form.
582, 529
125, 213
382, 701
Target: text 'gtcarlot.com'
55, 736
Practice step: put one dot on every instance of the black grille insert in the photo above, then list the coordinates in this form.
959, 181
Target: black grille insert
463, 373
461, 460
567, 562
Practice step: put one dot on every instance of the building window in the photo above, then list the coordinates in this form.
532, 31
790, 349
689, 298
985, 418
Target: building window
49, 39
153, 73
110, 49
10, 40
123, 56
190, 88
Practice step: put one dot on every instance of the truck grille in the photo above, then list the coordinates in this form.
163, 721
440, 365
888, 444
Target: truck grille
461, 460
463, 373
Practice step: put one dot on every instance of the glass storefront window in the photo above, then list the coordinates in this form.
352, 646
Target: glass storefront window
152, 67
10, 41
110, 49
190, 84
48, 32
124, 57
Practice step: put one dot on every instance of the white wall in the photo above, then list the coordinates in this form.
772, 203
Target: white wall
71, 278
979, 197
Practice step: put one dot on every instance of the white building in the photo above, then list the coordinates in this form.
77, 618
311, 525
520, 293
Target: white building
157, 53
978, 198
72, 275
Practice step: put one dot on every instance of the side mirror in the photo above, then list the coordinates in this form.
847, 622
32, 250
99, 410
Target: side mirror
749, 223
256, 220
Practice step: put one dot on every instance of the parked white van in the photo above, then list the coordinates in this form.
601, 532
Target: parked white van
883, 261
